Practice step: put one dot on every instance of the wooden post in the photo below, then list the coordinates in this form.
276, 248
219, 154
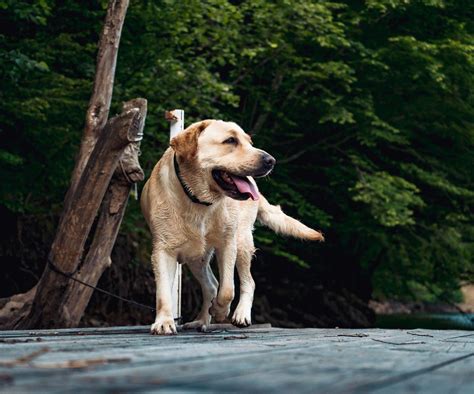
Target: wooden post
176, 119
50, 308
128, 172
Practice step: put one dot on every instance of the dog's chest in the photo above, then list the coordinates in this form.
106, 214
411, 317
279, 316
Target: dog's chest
196, 244
203, 234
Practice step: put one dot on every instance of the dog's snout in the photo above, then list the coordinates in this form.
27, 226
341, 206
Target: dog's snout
268, 160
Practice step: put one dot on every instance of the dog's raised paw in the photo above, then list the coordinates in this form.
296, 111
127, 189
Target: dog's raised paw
219, 312
163, 326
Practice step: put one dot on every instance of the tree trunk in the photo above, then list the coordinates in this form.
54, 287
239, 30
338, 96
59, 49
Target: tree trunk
77, 296
50, 308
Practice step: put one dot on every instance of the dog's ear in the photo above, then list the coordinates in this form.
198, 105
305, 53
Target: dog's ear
185, 143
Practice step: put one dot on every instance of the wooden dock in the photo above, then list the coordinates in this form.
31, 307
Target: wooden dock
128, 359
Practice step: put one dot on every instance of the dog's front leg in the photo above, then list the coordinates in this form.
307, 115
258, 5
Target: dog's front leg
243, 311
226, 255
164, 268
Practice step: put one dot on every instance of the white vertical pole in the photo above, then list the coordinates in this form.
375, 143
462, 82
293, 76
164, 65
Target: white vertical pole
176, 126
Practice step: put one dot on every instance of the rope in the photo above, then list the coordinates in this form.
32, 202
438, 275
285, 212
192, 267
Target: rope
125, 173
68, 275
134, 189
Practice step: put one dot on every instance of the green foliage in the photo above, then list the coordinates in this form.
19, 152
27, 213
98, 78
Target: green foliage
390, 198
367, 106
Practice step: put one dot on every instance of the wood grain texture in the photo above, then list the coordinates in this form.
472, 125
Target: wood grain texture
126, 359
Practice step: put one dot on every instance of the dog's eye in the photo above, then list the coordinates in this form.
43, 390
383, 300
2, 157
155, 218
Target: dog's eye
230, 140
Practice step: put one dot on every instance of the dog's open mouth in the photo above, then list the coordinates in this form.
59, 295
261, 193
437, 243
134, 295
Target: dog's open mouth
235, 186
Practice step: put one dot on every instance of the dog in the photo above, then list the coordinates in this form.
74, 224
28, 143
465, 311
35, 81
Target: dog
201, 199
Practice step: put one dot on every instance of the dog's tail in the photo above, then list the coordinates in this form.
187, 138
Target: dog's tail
273, 217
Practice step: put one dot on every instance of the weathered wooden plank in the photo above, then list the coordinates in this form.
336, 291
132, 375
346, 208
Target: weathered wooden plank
452, 375
111, 330
262, 360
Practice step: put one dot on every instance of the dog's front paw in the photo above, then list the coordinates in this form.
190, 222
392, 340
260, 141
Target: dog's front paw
163, 326
242, 316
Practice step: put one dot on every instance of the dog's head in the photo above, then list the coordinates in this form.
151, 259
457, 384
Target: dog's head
223, 154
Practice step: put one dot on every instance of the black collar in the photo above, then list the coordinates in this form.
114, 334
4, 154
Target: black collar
185, 187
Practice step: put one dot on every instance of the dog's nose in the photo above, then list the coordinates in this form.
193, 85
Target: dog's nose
268, 160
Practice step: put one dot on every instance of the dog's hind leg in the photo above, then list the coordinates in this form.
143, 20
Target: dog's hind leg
242, 314
203, 273
164, 268
226, 255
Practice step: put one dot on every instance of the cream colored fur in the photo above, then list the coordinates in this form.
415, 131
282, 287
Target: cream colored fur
191, 233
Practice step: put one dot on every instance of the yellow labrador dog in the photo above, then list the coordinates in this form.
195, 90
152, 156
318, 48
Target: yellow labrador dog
201, 200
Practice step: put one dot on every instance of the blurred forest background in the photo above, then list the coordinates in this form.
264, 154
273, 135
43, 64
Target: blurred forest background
368, 106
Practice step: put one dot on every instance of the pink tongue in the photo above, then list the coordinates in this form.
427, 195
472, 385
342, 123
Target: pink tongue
245, 186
